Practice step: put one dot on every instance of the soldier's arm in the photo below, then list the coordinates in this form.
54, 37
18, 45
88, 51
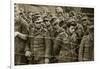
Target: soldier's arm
57, 44
28, 47
25, 28
22, 36
28, 44
81, 52
24, 23
47, 47
60, 40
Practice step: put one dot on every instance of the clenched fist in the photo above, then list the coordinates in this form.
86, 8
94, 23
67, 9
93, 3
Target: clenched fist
27, 53
16, 33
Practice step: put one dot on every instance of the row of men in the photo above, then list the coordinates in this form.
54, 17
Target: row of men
44, 38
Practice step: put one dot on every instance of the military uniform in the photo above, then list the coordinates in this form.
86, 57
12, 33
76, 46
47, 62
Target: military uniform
62, 20
38, 45
65, 46
87, 42
68, 48
73, 42
85, 23
79, 32
86, 48
20, 43
60, 45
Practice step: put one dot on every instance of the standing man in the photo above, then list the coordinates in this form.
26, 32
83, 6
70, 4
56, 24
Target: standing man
60, 16
59, 41
38, 48
86, 50
21, 32
49, 28
85, 24
65, 44
72, 41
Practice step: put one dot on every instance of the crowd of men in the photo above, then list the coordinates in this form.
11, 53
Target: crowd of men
53, 38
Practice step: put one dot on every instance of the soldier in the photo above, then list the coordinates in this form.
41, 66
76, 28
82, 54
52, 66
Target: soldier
59, 41
60, 16
80, 32
85, 24
49, 27
72, 15
35, 16
29, 17
86, 52
46, 22
73, 41
21, 32
23, 14
48, 14
65, 44
38, 48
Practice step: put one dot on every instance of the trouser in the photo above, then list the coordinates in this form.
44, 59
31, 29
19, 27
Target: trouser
20, 59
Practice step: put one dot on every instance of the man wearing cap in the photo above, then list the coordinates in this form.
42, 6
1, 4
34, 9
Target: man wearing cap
73, 43
79, 31
29, 17
59, 41
35, 16
49, 27
21, 32
85, 23
86, 50
38, 49
65, 45
60, 16
73, 39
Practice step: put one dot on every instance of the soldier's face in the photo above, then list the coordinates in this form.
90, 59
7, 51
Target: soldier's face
16, 16
55, 26
38, 25
71, 29
85, 22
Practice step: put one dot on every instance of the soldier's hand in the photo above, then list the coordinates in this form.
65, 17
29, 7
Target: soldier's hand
27, 53
16, 33
46, 60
